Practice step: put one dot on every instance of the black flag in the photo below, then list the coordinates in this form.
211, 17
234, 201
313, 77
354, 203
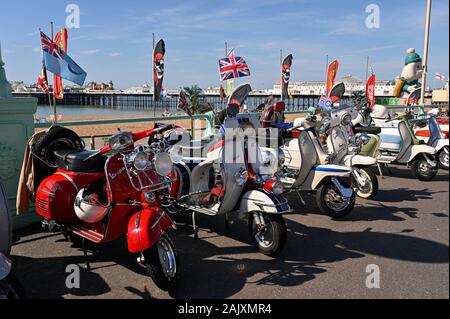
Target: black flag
158, 69
286, 76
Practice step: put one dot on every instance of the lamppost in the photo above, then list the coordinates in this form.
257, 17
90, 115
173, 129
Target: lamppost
425, 53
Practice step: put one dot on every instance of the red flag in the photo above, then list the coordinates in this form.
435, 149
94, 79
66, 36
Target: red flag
61, 40
223, 95
370, 90
331, 75
42, 81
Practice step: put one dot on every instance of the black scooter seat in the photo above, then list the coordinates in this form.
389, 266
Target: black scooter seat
79, 161
368, 130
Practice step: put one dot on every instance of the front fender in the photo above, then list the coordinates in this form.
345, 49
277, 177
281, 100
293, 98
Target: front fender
440, 144
263, 201
416, 150
146, 227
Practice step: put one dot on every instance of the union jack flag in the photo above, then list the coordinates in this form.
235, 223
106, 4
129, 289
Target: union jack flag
233, 67
50, 47
42, 81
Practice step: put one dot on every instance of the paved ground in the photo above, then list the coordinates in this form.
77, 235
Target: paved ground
405, 232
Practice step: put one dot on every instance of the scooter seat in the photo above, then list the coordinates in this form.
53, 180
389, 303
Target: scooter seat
368, 130
78, 161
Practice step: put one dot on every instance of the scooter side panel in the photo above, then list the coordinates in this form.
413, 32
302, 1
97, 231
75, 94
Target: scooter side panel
262, 201
359, 160
145, 228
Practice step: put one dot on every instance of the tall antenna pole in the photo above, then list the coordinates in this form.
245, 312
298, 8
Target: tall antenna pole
281, 66
226, 48
425, 53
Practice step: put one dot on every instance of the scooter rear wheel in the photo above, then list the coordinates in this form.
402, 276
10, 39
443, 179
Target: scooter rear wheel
331, 203
163, 264
272, 241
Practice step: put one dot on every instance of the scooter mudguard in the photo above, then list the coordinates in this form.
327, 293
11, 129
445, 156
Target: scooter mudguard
146, 228
265, 202
322, 172
359, 160
440, 144
416, 150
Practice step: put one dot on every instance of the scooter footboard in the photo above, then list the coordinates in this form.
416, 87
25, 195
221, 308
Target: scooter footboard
146, 227
262, 201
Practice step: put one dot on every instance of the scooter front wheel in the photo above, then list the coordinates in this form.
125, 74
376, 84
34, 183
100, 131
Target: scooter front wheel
269, 236
163, 264
422, 170
370, 189
332, 203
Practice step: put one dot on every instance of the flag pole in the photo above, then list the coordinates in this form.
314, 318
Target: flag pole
54, 97
367, 68
154, 87
425, 53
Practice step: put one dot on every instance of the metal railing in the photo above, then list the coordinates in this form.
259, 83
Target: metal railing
92, 138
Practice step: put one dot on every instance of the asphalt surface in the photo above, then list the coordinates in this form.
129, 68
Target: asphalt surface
405, 232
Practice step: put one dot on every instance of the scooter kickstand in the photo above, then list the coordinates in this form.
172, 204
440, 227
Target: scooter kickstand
227, 222
380, 170
301, 199
87, 266
194, 225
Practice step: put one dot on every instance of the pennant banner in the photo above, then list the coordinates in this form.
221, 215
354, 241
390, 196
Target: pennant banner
286, 76
370, 90
158, 69
331, 75
58, 88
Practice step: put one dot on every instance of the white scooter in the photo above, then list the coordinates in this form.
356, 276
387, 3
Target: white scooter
232, 179
344, 144
10, 288
399, 145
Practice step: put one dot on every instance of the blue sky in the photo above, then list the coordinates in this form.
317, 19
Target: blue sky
115, 38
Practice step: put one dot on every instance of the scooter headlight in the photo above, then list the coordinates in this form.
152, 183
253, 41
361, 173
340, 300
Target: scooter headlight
140, 161
365, 138
163, 164
121, 141
241, 177
346, 120
274, 186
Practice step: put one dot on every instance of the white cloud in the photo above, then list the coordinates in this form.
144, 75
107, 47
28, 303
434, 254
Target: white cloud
115, 54
89, 52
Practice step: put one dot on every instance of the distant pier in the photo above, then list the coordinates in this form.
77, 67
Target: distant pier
117, 100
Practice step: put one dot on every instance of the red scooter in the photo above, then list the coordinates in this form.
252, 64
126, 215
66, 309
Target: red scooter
103, 196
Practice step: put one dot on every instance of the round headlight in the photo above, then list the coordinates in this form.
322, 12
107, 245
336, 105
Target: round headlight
163, 164
365, 139
278, 188
346, 119
121, 141
141, 161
